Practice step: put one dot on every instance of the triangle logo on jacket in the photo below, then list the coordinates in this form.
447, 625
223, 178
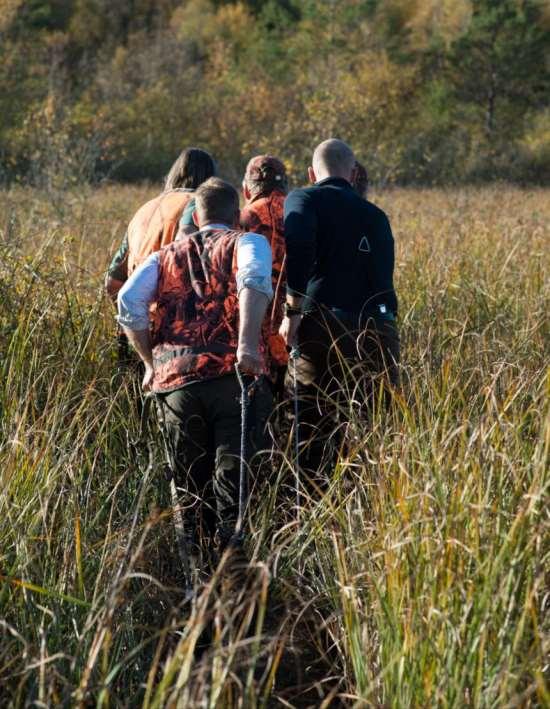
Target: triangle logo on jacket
364, 245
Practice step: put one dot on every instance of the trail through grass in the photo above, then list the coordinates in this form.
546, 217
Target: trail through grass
417, 580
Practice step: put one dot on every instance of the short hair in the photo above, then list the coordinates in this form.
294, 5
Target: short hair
334, 157
190, 170
217, 201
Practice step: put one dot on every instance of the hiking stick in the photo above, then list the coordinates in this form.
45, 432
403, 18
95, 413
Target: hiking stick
246, 395
294, 356
181, 540
123, 350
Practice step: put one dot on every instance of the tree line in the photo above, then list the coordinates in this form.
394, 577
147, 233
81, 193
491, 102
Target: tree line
427, 91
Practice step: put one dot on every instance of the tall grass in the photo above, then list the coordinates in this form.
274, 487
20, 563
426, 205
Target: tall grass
417, 579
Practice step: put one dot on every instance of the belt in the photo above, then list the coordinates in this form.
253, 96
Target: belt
379, 312
213, 348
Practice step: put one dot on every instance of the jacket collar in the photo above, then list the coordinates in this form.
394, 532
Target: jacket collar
215, 227
337, 181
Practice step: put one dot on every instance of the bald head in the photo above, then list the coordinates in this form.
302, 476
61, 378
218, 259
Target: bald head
333, 158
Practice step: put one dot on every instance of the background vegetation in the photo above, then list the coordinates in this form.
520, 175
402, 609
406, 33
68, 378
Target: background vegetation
428, 91
418, 580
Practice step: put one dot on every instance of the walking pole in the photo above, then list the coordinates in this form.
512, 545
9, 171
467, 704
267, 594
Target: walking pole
181, 540
123, 350
246, 393
294, 356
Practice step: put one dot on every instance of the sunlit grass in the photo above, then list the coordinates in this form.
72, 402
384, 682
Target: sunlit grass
416, 580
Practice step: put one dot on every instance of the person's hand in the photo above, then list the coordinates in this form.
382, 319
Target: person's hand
147, 382
289, 328
249, 362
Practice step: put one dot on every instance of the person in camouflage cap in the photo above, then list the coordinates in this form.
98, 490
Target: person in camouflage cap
264, 189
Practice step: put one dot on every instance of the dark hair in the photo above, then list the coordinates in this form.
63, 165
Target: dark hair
217, 201
360, 180
190, 170
265, 173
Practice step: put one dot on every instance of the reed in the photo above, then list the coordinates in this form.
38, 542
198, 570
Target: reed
417, 579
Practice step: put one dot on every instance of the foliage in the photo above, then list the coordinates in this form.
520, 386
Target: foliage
493, 64
426, 91
418, 579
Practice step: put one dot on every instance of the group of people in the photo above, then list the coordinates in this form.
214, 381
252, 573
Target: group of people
208, 294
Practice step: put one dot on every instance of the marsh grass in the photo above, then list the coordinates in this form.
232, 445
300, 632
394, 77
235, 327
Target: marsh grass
417, 579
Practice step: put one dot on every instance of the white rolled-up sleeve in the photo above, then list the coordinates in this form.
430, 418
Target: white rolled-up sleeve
254, 263
137, 294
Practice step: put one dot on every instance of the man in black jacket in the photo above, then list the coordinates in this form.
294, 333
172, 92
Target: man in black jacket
341, 304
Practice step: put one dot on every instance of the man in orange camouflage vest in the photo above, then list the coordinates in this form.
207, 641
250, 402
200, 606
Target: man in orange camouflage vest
264, 189
211, 291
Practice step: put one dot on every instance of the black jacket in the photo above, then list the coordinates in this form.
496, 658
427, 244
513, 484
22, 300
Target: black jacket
340, 249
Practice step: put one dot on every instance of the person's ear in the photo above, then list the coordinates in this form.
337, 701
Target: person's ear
195, 218
311, 175
246, 192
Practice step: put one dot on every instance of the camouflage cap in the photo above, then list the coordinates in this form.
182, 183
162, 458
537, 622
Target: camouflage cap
265, 168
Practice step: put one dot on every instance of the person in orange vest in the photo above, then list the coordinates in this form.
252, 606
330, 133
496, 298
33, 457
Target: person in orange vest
155, 224
264, 188
211, 291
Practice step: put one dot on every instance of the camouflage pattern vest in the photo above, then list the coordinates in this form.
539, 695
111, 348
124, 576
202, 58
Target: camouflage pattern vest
265, 215
195, 322
155, 225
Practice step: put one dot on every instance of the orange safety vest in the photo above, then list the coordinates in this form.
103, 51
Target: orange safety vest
196, 321
265, 215
155, 225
